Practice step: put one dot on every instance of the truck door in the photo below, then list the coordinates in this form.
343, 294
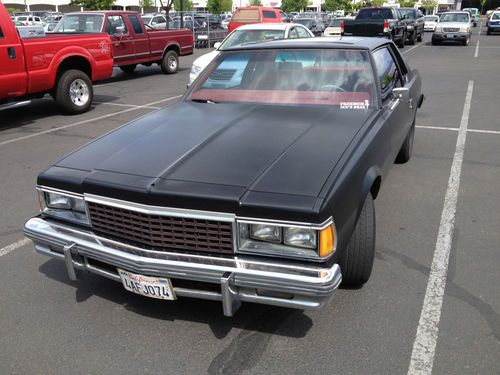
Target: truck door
121, 39
13, 77
142, 48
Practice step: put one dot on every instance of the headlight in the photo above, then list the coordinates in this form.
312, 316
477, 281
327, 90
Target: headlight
464, 29
63, 205
307, 242
439, 29
195, 70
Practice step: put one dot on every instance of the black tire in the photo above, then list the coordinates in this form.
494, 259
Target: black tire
406, 149
419, 36
357, 261
170, 62
401, 43
74, 92
412, 39
129, 69
488, 32
466, 41
435, 43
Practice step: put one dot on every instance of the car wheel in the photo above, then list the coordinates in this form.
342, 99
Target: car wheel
419, 37
435, 42
170, 63
401, 43
357, 261
128, 68
406, 149
466, 41
74, 92
412, 39
488, 32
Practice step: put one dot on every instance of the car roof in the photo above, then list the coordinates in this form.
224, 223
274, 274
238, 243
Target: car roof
367, 43
267, 26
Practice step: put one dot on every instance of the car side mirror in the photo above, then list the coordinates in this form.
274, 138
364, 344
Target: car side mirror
217, 45
402, 93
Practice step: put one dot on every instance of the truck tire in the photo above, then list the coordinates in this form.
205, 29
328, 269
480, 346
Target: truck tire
74, 92
406, 149
129, 69
488, 32
419, 36
170, 62
357, 261
466, 41
401, 43
413, 37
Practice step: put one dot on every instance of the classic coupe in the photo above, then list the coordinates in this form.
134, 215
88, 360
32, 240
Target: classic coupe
258, 186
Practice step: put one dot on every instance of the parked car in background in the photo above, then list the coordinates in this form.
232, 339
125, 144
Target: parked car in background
132, 42
225, 22
453, 27
155, 21
62, 65
414, 21
430, 22
313, 24
259, 186
493, 23
30, 20
49, 27
385, 22
474, 15
256, 14
250, 33
335, 27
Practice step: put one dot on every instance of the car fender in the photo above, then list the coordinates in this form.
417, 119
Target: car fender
69, 52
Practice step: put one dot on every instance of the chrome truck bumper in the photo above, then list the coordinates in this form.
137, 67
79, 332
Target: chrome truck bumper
241, 279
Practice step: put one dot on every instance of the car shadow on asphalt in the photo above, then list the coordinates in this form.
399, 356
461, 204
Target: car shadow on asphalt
260, 319
119, 76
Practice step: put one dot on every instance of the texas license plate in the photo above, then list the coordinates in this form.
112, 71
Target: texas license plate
449, 36
154, 287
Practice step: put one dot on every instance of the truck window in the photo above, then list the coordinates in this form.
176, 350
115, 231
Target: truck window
246, 15
136, 25
1, 32
269, 14
375, 14
387, 71
114, 22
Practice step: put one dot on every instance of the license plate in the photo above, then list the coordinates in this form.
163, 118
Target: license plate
449, 36
154, 287
202, 37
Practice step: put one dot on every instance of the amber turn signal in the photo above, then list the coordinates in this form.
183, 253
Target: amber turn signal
326, 241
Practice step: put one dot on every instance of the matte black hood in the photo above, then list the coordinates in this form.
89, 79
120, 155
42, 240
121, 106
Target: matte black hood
239, 158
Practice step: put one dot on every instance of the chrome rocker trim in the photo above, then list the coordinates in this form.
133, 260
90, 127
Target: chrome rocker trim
242, 279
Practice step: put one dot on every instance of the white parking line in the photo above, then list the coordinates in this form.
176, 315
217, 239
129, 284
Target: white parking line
477, 49
457, 129
13, 246
125, 105
86, 121
424, 347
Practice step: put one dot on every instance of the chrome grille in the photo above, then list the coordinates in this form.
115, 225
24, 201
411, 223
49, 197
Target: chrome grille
451, 29
163, 233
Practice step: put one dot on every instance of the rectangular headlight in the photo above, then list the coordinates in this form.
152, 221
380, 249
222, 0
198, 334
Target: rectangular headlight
301, 237
263, 232
66, 206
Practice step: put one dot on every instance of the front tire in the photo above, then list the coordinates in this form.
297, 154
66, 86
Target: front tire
419, 37
406, 149
357, 261
74, 92
412, 39
129, 69
401, 43
488, 32
170, 63
466, 41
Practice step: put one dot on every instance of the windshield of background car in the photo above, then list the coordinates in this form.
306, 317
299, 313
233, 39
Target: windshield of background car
334, 77
80, 23
305, 21
409, 13
375, 14
431, 18
245, 36
495, 16
246, 15
454, 17
335, 23
146, 20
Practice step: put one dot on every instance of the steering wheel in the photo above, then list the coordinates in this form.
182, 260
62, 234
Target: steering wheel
333, 88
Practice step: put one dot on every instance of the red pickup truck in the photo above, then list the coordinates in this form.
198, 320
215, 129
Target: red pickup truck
62, 65
133, 42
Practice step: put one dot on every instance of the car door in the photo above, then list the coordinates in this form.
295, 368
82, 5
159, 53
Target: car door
141, 39
419, 22
397, 112
13, 76
121, 39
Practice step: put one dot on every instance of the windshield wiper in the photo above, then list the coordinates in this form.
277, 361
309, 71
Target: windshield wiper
203, 101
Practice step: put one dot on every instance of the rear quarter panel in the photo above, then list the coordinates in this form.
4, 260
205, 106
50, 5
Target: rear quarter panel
162, 39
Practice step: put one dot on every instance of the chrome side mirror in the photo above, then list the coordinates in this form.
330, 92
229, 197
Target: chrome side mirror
402, 93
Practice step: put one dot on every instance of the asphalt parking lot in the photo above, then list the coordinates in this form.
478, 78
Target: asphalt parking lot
438, 231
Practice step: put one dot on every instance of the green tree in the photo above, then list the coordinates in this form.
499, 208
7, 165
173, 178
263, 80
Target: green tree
293, 5
144, 4
93, 4
332, 5
12, 10
483, 3
429, 5
375, 3
219, 6
183, 5
255, 3
407, 3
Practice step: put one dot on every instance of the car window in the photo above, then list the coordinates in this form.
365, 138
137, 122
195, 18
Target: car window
375, 13
387, 71
247, 36
269, 14
114, 22
284, 17
293, 33
80, 23
136, 24
495, 16
302, 32
1, 32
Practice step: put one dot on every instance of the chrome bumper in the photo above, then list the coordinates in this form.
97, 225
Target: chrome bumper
241, 279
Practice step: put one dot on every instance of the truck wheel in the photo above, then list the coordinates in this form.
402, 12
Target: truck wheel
419, 37
406, 149
170, 63
401, 43
435, 42
412, 39
466, 41
357, 261
74, 92
129, 69
488, 32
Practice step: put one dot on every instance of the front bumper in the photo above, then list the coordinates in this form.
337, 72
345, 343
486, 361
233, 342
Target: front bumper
240, 279
450, 37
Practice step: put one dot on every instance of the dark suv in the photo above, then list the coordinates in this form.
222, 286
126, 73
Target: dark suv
414, 21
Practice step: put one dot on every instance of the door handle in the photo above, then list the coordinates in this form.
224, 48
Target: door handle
394, 104
11, 51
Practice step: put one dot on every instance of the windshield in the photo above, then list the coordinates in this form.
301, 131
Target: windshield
431, 18
473, 11
333, 77
245, 36
305, 21
80, 23
454, 17
335, 23
495, 16
409, 13
146, 19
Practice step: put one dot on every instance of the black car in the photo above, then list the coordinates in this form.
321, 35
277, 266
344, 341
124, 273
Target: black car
313, 24
259, 186
414, 21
